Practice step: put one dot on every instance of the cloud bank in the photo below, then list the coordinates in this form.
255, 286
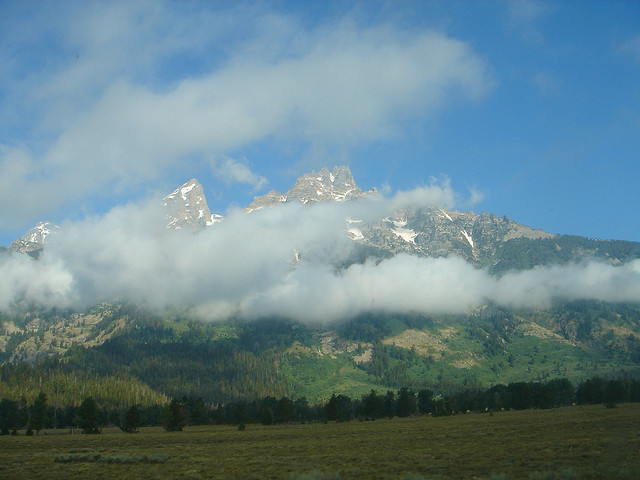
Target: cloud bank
246, 266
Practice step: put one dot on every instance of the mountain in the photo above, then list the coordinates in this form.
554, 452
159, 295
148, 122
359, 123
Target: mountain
171, 354
33, 241
323, 186
485, 240
187, 207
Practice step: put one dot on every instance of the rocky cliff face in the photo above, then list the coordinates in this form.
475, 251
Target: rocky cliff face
428, 232
435, 232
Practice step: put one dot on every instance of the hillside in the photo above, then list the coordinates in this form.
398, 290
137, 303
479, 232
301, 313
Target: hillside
174, 356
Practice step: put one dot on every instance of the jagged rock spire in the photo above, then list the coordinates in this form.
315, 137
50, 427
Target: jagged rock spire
187, 206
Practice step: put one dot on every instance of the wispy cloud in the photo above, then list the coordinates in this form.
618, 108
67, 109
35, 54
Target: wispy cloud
121, 98
522, 12
524, 17
547, 83
233, 171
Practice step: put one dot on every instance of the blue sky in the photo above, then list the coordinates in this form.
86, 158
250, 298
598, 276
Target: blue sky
531, 109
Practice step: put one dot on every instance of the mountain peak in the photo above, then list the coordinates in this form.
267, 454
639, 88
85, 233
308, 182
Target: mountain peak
35, 238
324, 185
337, 185
187, 206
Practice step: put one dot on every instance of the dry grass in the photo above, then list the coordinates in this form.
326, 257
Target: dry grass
589, 442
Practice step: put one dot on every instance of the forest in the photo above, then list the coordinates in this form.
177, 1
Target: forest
90, 417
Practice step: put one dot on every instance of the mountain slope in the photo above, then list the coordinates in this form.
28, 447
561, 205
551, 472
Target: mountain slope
174, 356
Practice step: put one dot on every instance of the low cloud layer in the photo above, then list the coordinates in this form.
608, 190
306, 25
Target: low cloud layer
246, 266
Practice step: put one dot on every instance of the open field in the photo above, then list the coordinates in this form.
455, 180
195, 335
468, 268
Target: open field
586, 442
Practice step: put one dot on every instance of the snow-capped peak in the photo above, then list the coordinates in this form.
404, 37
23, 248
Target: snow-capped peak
187, 207
35, 238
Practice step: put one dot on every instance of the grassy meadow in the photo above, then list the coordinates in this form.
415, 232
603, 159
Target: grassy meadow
585, 442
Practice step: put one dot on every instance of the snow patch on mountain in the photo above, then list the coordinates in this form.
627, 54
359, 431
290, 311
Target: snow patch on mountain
355, 234
406, 234
468, 237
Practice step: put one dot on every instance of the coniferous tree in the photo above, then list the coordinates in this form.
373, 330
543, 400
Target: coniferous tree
173, 418
303, 411
406, 404
8, 416
425, 401
38, 417
390, 404
239, 413
88, 416
373, 405
338, 408
266, 416
132, 420
285, 411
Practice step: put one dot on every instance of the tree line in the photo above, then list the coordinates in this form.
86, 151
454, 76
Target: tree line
89, 417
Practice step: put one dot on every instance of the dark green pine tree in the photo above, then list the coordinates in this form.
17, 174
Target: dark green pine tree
373, 405
425, 401
406, 403
172, 417
239, 413
285, 411
88, 416
266, 416
9, 416
39, 412
132, 420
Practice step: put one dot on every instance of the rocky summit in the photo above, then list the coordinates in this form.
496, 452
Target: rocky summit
187, 206
34, 239
336, 185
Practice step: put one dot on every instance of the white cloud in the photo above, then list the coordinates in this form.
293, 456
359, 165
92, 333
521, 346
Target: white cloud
475, 197
433, 194
245, 266
232, 171
27, 283
524, 16
133, 90
525, 11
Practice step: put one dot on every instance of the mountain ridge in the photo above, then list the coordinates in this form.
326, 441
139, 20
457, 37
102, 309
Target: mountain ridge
484, 239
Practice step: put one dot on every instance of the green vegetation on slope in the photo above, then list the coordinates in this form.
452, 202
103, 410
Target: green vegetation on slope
172, 355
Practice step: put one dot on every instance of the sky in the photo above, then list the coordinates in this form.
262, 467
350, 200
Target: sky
529, 109
532, 105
